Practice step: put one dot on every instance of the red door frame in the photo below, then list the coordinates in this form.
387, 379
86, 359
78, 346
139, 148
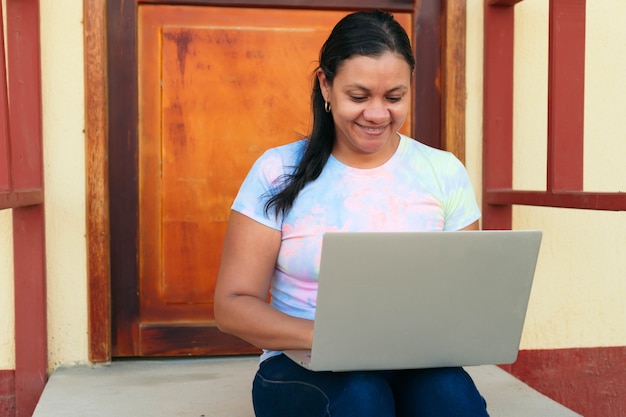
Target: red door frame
21, 190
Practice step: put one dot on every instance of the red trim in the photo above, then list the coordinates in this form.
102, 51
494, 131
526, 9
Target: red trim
426, 117
566, 95
26, 162
498, 111
390, 5
578, 200
590, 381
21, 198
7, 393
25, 87
503, 2
5, 167
31, 353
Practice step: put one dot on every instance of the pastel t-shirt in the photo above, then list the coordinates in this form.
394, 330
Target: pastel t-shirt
419, 188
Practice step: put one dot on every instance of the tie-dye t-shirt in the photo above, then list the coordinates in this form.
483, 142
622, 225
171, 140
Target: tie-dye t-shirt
418, 189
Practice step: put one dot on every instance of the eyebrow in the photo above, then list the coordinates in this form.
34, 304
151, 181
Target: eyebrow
360, 87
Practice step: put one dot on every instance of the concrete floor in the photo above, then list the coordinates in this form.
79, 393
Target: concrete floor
220, 387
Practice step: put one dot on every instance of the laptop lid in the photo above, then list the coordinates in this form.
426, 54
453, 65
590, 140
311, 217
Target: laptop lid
422, 299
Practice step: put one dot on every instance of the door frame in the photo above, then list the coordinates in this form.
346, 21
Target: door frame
111, 110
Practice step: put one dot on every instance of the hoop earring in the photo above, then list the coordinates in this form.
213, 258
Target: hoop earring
326, 106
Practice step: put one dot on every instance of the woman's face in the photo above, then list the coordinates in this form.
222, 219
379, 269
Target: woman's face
369, 101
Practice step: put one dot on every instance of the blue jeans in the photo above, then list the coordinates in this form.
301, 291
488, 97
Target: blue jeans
282, 388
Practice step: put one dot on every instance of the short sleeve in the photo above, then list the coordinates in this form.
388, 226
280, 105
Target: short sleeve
265, 179
258, 187
461, 207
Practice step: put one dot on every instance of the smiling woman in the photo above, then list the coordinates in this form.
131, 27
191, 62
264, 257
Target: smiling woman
355, 172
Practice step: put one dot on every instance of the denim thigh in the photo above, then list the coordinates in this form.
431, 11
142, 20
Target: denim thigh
281, 388
436, 392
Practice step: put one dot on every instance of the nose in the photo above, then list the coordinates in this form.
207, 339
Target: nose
376, 111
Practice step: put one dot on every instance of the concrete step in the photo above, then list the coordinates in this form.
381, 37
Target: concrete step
220, 387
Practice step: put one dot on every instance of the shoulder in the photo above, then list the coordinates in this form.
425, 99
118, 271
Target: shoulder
284, 155
421, 152
277, 161
288, 151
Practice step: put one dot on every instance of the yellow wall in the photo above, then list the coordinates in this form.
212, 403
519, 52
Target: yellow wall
577, 300
64, 155
64, 166
7, 334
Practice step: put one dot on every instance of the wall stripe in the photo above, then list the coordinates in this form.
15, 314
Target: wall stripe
566, 95
7, 393
25, 132
590, 381
498, 112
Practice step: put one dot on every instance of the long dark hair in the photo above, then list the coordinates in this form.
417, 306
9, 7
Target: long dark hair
364, 33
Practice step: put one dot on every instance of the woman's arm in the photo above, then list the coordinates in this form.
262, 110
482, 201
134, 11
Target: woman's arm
248, 261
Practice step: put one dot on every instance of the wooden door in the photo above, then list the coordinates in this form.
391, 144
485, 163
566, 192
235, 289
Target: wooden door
217, 86
111, 71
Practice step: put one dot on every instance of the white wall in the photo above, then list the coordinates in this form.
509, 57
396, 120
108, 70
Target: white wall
577, 298
605, 124
7, 313
64, 168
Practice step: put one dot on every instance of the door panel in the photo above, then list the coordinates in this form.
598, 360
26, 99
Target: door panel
217, 86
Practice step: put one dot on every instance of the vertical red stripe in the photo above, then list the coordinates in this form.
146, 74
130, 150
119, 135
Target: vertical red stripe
25, 87
426, 123
566, 95
23, 51
31, 353
498, 111
5, 173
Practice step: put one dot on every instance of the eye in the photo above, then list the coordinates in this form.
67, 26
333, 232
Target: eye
358, 99
394, 99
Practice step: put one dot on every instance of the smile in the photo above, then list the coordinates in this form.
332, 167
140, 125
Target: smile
373, 130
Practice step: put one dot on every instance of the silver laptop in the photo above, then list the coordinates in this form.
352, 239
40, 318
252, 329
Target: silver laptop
421, 299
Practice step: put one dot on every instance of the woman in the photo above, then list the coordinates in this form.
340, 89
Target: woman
354, 173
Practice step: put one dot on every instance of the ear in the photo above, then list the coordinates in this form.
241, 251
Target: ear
324, 85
